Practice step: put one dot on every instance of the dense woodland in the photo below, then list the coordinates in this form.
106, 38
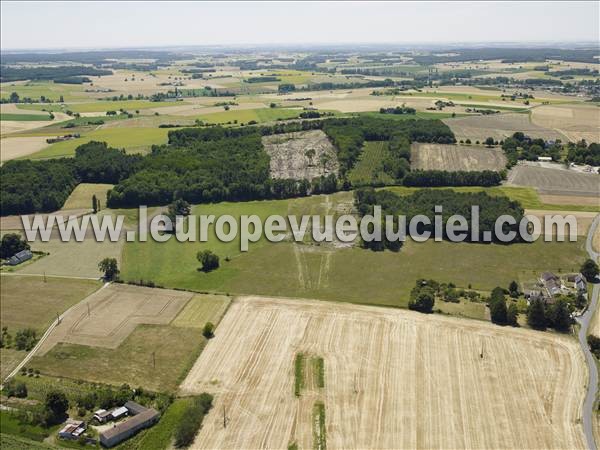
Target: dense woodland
48, 73
423, 202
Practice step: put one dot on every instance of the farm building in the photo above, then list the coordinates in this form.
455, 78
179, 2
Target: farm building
20, 257
125, 430
102, 415
72, 430
134, 408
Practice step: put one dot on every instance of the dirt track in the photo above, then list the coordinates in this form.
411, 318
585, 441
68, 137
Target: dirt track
393, 379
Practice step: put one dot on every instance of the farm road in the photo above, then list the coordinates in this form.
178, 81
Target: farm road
45, 336
584, 322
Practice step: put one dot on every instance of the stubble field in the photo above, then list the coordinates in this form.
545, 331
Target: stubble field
456, 157
391, 379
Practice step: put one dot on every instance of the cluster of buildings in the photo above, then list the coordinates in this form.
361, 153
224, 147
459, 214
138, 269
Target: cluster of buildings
129, 419
551, 286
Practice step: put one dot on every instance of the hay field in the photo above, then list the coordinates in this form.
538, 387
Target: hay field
304, 154
81, 197
392, 379
202, 308
17, 147
109, 316
576, 121
456, 157
499, 126
31, 302
9, 359
555, 181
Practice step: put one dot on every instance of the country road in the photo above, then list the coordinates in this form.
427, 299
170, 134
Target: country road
584, 322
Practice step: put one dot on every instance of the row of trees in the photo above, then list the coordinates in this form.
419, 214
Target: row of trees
434, 178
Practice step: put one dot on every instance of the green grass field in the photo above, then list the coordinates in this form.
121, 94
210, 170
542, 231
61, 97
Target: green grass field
48, 89
29, 301
11, 425
175, 350
25, 117
200, 309
11, 442
9, 359
323, 272
247, 115
81, 197
369, 167
132, 139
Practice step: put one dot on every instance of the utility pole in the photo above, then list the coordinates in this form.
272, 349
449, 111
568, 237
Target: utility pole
481, 354
154, 360
224, 418
88, 305
57, 319
45, 277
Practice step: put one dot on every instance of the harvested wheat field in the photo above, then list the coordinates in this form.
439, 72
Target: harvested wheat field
319, 374
498, 126
577, 121
456, 157
107, 317
305, 154
555, 181
17, 147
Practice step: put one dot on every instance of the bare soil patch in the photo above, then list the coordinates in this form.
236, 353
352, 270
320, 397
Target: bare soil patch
456, 157
577, 121
305, 154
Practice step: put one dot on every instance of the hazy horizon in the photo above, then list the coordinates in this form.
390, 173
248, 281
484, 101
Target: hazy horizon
124, 25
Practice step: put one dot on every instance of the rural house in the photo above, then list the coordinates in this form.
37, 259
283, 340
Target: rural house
579, 283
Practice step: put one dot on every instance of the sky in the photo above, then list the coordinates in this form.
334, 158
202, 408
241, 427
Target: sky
61, 25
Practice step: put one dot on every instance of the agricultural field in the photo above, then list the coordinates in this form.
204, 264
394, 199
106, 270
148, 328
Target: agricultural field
108, 317
456, 157
153, 335
247, 115
417, 399
97, 106
499, 126
306, 154
34, 301
202, 308
81, 197
369, 167
134, 140
329, 272
555, 181
19, 147
576, 121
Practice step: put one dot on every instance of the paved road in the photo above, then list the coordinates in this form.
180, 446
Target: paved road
44, 337
584, 321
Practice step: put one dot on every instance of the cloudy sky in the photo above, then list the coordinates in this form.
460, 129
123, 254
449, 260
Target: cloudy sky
134, 24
